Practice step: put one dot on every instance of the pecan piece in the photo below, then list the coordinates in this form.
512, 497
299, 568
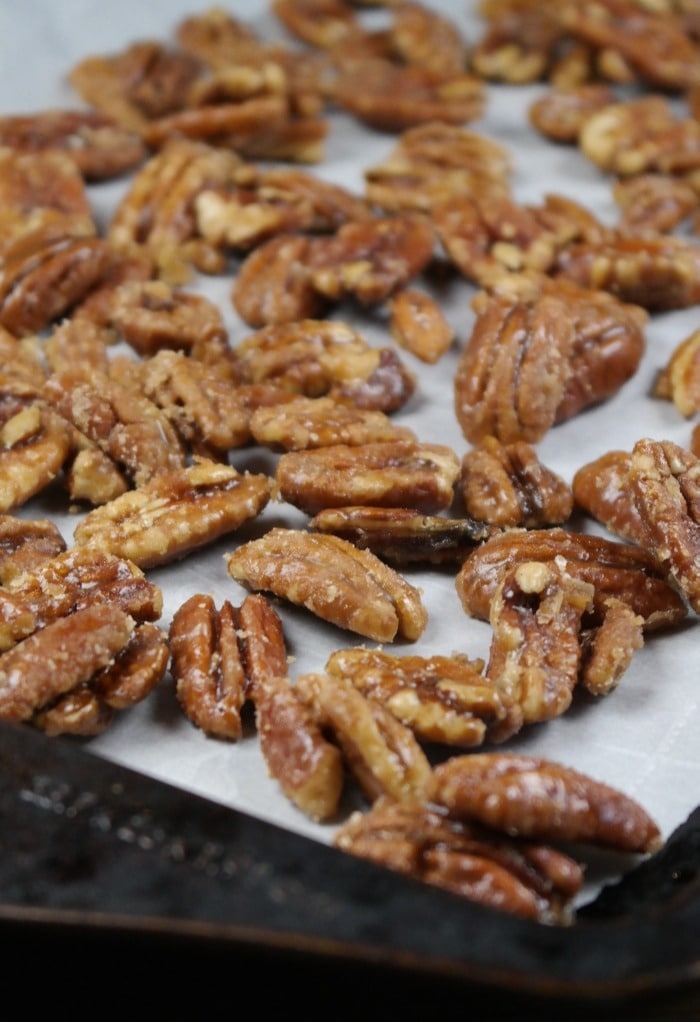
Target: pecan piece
310, 422
382, 754
401, 536
664, 479
679, 381
35, 444
150, 316
608, 649
56, 658
348, 587
441, 699
601, 488
561, 113
206, 665
25, 544
507, 485
654, 203
273, 284
510, 875
540, 799
620, 570
399, 473
418, 324
175, 513
17, 620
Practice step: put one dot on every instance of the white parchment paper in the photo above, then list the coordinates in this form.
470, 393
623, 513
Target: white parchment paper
641, 738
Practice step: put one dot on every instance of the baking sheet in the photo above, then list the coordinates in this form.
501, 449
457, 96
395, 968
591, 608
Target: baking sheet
643, 737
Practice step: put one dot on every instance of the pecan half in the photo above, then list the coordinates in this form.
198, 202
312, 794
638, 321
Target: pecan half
665, 482
397, 473
560, 113
273, 284
27, 543
418, 324
620, 570
348, 587
35, 444
304, 423
537, 798
382, 754
442, 699
601, 488
175, 513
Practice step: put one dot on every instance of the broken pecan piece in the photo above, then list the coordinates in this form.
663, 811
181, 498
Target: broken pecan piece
536, 798
601, 488
395, 473
348, 587
26, 544
680, 379
35, 444
175, 513
418, 324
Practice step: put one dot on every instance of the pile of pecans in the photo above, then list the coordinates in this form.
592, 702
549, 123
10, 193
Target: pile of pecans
123, 398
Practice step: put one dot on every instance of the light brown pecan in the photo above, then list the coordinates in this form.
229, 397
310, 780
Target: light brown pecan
436, 163
402, 536
601, 488
394, 473
665, 481
310, 422
77, 341
507, 485
510, 874
123, 422
42, 191
391, 97
17, 620
418, 324
654, 203
320, 23
382, 754
21, 359
537, 798
445, 699
56, 658
151, 316
518, 44
175, 513
80, 577
206, 665
307, 766
560, 113
679, 381
535, 654
92, 477
100, 147
608, 649
658, 273
428, 39
25, 543
325, 357
34, 445
621, 570
348, 587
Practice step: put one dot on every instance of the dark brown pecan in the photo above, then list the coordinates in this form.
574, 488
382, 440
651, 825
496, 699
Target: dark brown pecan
537, 798
621, 570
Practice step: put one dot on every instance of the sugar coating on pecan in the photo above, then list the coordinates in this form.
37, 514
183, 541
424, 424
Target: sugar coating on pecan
348, 587
26, 544
305, 423
601, 488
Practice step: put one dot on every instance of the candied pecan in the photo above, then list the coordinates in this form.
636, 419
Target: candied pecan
215, 37
382, 754
402, 536
26, 543
436, 163
273, 284
519, 43
150, 316
17, 620
123, 422
657, 273
641, 135
664, 482
510, 874
21, 360
60, 655
391, 97
652, 43
339, 583
175, 513
621, 570
34, 446
145, 80
42, 189
308, 768
679, 380
425, 38
537, 798
77, 341
393, 473
654, 203
442, 699
77, 712
241, 118
506, 485
535, 654
419, 325
45, 272
560, 113
608, 649
92, 477
81, 577
206, 665
309, 422
100, 147
325, 357
157, 214
370, 259
321, 23
601, 488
